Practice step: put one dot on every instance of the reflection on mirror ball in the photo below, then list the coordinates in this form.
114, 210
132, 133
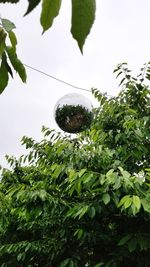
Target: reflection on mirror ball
73, 113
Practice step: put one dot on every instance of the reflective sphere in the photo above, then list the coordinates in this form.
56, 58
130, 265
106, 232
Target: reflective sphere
73, 113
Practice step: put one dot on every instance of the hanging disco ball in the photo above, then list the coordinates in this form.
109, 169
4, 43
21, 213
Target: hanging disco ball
73, 113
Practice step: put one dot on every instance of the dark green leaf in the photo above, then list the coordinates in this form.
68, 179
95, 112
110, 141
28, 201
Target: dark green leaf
4, 58
32, 5
64, 263
9, 1
50, 10
91, 212
106, 198
119, 74
3, 77
2, 40
122, 81
16, 63
83, 16
132, 244
124, 240
12, 38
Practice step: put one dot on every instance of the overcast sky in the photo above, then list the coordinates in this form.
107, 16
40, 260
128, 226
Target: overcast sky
120, 34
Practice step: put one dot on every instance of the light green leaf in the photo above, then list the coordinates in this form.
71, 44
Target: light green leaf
87, 177
109, 173
50, 10
125, 174
57, 171
12, 38
83, 16
146, 205
16, 63
128, 203
137, 202
8, 25
81, 212
123, 200
81, 172
106, 198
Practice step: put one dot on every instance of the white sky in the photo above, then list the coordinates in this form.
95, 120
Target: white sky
120, 34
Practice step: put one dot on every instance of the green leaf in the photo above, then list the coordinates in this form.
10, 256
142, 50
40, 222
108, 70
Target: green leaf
57, 171
119, 74
83, 16
122, 81
67, 263
79, 233
32, 5
87, 177
124, 240
8, 25
16, 63
137, 202
123, 200
91, 212
81, 172
12, 38
81, 212
146, 205
3, 77
19, 256
128, 203
125, 174
50, 10
106, 198
2, 40
99, 264
132, 244
9, 1
4, 58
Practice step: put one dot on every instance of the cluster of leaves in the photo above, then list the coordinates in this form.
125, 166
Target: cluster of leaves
85, 201
8, 54
83, 16
73, 119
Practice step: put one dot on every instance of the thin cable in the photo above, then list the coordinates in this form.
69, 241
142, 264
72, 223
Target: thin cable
57, 79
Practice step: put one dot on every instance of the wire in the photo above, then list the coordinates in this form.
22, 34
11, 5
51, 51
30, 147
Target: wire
57, 79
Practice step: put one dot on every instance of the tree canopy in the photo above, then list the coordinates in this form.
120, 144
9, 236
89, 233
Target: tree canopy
83, 201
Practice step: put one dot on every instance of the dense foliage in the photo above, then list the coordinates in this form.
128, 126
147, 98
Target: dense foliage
84, 201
